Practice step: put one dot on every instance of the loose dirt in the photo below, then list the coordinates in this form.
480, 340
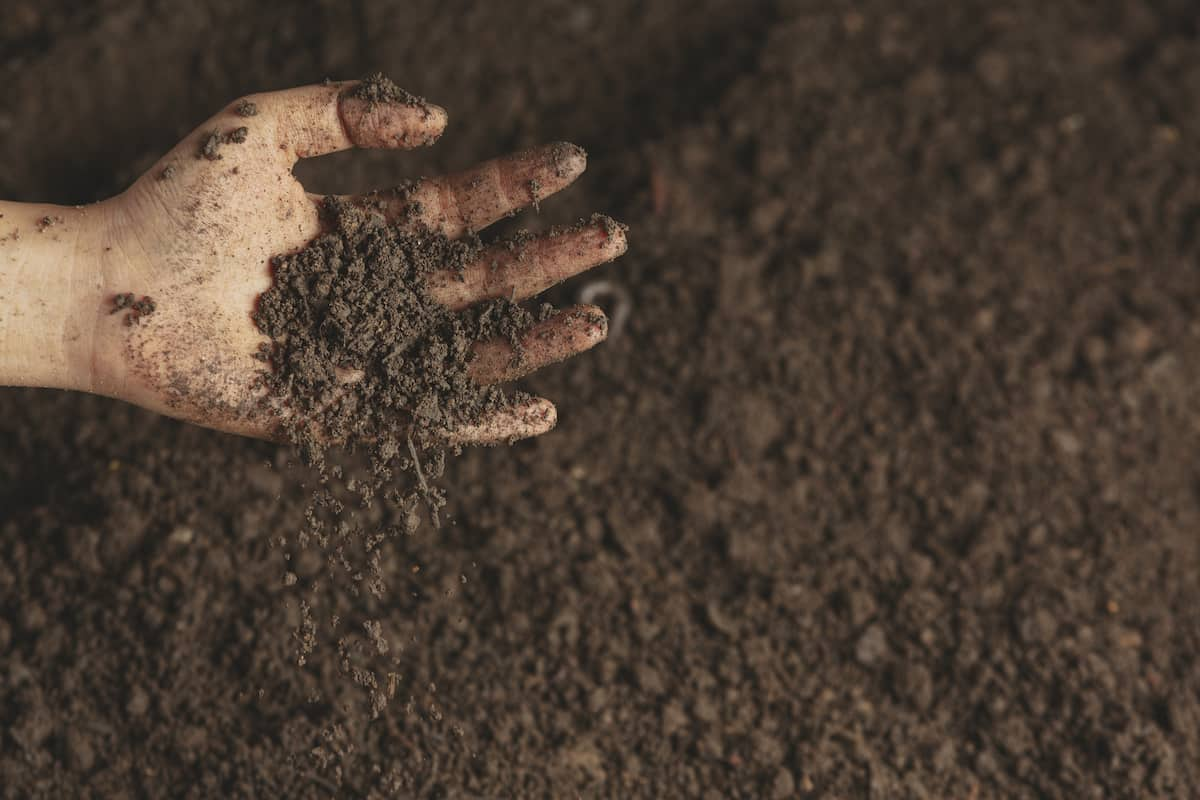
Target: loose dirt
886, 489
362, 354
363, 358
378, 88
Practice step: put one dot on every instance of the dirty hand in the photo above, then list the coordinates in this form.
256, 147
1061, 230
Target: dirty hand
147, 297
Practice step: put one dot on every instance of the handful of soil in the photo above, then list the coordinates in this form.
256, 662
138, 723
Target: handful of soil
362, 355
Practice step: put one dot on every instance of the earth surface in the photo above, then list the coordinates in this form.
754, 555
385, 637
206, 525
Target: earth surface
887, 487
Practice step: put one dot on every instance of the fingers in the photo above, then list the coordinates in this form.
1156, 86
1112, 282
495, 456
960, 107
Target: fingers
565, 334
325, 118
531, 417
470, 200
520, 270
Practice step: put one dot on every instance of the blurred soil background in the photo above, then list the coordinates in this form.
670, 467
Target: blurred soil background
888, 488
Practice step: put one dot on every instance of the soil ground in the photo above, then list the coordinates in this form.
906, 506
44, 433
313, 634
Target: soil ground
887, 488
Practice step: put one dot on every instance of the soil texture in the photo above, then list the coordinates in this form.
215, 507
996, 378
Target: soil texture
361, 353
886, 486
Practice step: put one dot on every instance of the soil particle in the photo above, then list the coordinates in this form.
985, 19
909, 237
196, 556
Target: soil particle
210, 147
138, 308
80, 753
374, 631
378, 88
139, 702
784, 785
121, 301
871, 647
246, 108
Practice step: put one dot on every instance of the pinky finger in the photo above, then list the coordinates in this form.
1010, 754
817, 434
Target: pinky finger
521, 420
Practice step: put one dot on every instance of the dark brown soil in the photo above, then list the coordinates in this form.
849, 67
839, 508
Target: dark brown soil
377, 88
354, 302
364, 359
136, 309
887, 486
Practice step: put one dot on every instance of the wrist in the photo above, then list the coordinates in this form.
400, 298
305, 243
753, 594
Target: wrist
50, 289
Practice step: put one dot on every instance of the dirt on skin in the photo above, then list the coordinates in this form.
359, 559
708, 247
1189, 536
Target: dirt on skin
211, 147
127, 301
378, 88
887, 487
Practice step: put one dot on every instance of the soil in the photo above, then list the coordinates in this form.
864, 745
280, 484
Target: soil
363, 357
886, 487
136, 308
353, 302
378, 88
211, 147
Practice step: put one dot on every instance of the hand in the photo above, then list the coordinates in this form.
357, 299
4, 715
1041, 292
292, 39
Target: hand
187, 250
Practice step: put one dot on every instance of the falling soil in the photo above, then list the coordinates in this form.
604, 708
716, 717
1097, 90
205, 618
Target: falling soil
887, 487
363, 358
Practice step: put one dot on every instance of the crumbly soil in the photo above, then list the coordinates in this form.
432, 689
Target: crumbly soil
361, 354
886, 487
364, 359
378, 88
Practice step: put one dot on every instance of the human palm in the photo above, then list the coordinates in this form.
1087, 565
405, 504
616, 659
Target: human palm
196, 235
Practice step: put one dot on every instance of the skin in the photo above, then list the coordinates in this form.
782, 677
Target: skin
196, 235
